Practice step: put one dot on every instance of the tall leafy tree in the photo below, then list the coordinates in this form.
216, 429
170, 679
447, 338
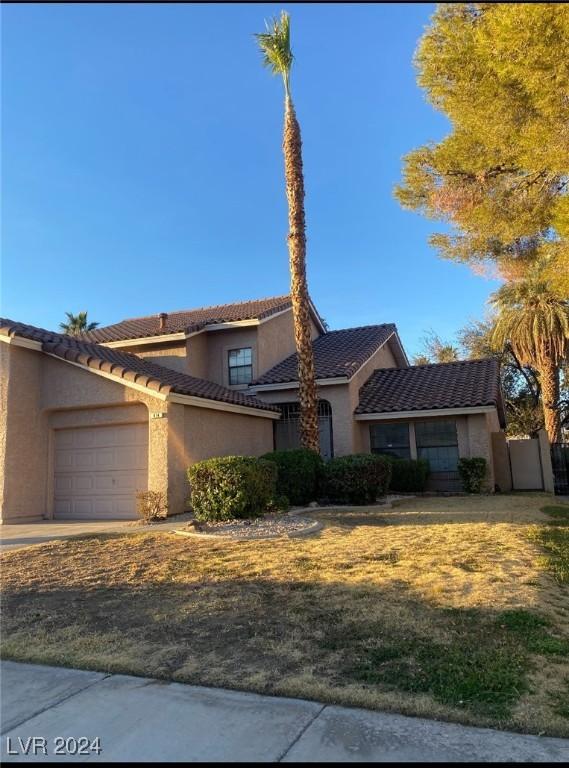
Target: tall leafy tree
520, 383
500, 73
435, 350
277, 56
533, 320
77, 324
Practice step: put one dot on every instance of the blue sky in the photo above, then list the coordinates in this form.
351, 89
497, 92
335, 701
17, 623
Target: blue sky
142, 166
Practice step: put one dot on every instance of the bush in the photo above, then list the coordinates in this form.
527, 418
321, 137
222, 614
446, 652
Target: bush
151, 505
472, 474
299, 474
356, 479
231, 487
408, 475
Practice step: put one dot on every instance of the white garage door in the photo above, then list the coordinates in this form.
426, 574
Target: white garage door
98, 471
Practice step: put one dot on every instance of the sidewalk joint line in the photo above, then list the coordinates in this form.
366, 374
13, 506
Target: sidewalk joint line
301, 734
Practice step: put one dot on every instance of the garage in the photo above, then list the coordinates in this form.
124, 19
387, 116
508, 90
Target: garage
98, 471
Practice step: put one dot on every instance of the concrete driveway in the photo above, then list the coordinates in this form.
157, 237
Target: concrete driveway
120, 718
17, 536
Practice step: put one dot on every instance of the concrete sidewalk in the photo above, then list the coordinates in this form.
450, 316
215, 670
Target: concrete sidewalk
137, 719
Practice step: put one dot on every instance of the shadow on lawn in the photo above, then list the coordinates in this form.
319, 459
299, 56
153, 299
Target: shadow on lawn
255, 633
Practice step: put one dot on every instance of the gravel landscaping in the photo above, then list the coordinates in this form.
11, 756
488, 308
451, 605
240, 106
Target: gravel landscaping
267, 527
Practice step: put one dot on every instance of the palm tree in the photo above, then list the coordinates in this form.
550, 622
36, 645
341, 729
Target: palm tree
277, 56
533, 320
77, 324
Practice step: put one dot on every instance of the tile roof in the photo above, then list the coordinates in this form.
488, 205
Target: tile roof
463, 384
336, 354
128, 366
188, 321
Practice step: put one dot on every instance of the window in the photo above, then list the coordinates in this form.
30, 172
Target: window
392, 439
240, 366
437, 442
287, 428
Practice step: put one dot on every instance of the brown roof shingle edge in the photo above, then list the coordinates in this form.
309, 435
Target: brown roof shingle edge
191, 320
129, 367
337, 354
437, 386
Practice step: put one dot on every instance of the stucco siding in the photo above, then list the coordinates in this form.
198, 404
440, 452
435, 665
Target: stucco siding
170, 355
23, 442
218, 345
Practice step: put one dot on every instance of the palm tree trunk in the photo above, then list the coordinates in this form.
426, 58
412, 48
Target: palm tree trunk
549, 375
308, 398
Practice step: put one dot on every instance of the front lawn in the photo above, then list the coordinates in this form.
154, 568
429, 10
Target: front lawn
456, 608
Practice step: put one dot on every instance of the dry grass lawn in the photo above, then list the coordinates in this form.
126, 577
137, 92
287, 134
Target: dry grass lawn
442, 607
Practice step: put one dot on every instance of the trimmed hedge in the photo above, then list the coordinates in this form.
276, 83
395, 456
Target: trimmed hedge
356, 479
472, 473
299, 474
231, 487
408, 475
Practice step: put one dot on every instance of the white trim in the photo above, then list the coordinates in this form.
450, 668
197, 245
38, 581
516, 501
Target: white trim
230, 324
275, 314
424, 414
216, 405
294, 384
21, 341
164, 339
200, 402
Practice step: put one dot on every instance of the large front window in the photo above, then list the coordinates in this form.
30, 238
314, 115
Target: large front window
390, 439
437, 443
240, 366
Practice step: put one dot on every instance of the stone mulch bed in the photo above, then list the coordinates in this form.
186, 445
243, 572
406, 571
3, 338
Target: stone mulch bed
266, 527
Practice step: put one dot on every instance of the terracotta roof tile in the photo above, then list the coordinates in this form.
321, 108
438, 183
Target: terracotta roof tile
188, 321
336, 354
128, 366
463, 384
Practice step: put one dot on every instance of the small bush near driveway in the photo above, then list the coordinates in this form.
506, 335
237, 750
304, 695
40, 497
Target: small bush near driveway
151, 505
299, 474
356, 479
231, 487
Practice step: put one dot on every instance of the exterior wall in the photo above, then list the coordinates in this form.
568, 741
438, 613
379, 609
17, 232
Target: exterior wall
218, 345
171, 355
275, 341
23, 435
196, 356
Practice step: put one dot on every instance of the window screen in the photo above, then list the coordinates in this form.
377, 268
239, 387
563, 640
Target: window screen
240, 366
392, 439
437, 442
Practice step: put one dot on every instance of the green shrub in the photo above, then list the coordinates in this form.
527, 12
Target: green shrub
231, 487
299, 474
356, 479
472, 474
408, 475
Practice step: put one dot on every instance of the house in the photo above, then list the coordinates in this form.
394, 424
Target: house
86, 421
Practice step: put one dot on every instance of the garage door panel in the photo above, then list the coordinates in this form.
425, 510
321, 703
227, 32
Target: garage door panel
98, 471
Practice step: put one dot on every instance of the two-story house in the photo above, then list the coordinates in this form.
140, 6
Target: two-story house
87, 421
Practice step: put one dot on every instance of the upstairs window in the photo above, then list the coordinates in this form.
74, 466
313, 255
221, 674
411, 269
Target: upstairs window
240, 366
390, 439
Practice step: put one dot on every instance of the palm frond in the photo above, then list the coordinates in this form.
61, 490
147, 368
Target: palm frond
275, 47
